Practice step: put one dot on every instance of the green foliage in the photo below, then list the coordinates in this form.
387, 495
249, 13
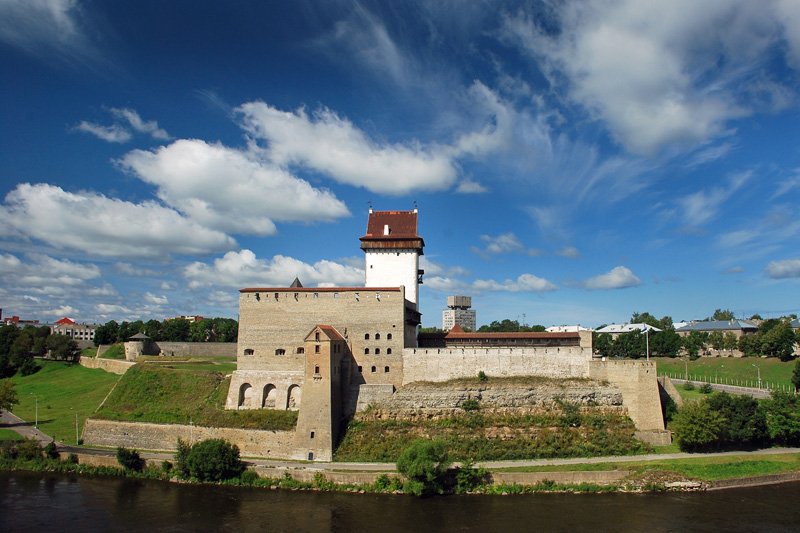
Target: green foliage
8, 395
670, 408
688, 386
723, 314
182, 457
73, 458
796, 376
665, 343
214, 460
779, 341
697, 427
782, 413
50, 451
508, 326
424, 463
570, 414
745, 426
130, 459
631, 345
694, 342
705, 388
385, 483
482, 377
468, 478
166, 466
28, 449
470, 404
249, 477
603, 344
62, 348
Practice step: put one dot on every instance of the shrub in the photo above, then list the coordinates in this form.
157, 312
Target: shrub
50, 451
705, 388
166, 466
469, 478
782, 414
670, 408
688, 386
181, 456
424, 464
470, 404
130, 459
73, 458
249, 477
570, 414
214, 460
385, 483
28, 450
697, 427
482, 377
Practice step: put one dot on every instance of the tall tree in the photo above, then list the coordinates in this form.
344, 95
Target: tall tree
8, 395
723, 314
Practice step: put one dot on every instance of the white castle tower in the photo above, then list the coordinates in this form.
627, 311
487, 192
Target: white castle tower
392, 248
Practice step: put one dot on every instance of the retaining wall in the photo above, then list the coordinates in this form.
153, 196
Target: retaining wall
114, 366
164, 437
195, 349
639, 385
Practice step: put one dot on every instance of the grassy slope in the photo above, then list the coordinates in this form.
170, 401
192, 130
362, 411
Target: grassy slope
701, 468
161, 394
730, 368
9, 434
63, 390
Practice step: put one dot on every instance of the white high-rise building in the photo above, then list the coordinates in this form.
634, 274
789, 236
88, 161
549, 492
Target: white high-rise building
459, 312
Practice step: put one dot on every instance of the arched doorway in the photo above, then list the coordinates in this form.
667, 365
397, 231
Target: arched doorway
270, 395
293, 398
245, 396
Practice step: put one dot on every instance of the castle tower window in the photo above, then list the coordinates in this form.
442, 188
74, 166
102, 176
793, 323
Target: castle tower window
310, 456
280, 351
301, 350
258, 297
316, 348
374, 369
366, 336
316, 370
276, 295
312, 434
316, 336
388, 336
377, 336
386, 369
358, 297
249, 351
388, 351
366, 351
360, 369
377, 351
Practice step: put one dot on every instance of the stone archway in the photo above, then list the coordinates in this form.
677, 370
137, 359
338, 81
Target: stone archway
270, 396
245, 396
293, 398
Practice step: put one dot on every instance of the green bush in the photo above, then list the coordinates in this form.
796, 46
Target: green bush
27, 450
469, 478
73, 458
130, 459
482, 377
385, 483
782, 414
181, 457
249, 477
50, 451
214, 460
166, 466
470, 404
570, 414
424, 464
688, 386
705, 388
697, 427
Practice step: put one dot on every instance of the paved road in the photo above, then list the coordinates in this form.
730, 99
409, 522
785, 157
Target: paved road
733, 389
26, 429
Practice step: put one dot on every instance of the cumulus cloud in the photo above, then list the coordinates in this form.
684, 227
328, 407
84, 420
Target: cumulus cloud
330, 144
149, 127
617, 278
524, 283
502, 244
468, 186
103, 226
230, 190
155, 299
113, 134
129, 269
244, 269
64, 310
654, 73
785, 268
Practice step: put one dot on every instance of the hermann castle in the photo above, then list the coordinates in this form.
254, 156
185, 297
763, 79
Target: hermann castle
330, 352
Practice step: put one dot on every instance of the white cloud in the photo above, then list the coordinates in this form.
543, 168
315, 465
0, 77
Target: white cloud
499, 244
443, 284
333, 145
524, 283
702, 206
103, 226
786, 268
106, 310
617, 278
155, 299
64, 310
656, 72
569, 251
228, 189
244, 269
467, 186
113, 134
149, 127
132, 270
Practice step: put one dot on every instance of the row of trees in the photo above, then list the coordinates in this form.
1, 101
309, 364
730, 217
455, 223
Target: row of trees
18, 347
174, 330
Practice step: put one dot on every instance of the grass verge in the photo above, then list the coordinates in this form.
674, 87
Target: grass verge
735, 370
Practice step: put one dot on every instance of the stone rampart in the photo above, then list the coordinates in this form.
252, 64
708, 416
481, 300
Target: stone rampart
639, 385
444, 364
114, 366
195, 349
164, 437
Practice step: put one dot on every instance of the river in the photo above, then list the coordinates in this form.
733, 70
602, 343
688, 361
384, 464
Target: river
43, 502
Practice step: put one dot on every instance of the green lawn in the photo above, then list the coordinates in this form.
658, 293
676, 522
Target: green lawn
226, 367
116, 351
63, 390
700, 468
9, 434
733, 370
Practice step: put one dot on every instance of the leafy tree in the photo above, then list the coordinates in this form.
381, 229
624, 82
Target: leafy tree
152, 328
106, 334
424, 464
508, 326
716, 340
697, 427
779, 341
767, 325
182, 457
645, 318
226, 330
796, 376
22, 349
434, 329
665, 343
750, 345
8, 334
730, 342
214, 460
62, 348
694, 342
630, 345
782, 413
175, 330
745, 424
201, 330
756, 317
130, 459
723, 314
8, 395
603, 344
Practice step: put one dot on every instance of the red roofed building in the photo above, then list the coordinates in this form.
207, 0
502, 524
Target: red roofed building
70, 328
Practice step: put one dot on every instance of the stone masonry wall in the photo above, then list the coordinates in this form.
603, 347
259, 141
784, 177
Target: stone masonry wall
443, 364
114, 366
639, 385
144, 436
194, 349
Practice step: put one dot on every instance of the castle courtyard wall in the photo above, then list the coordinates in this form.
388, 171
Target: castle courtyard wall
639, 385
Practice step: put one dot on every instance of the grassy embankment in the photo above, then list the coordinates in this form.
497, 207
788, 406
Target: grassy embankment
63, 390
699, 468
732, 370
180, 393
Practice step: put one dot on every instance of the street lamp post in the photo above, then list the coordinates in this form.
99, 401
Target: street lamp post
647, 340
77, 436
759, 374
36, 423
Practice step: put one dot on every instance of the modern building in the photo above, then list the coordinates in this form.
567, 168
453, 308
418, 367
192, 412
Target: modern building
615, 330
70, 328
459, 311
737, 327
566, 329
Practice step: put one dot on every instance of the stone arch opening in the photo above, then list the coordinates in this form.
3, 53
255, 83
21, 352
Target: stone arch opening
270, 396
293, 397
245, 396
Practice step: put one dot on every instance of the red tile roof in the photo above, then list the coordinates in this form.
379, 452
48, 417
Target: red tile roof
321, 289
402, 225
64, 321
458, 333
331, 332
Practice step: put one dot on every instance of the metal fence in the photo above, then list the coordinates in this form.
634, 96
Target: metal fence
721, 380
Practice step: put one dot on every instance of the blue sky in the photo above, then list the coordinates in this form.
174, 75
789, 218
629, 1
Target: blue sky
572, 162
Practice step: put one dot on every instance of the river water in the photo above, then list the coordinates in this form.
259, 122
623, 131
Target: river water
42, 502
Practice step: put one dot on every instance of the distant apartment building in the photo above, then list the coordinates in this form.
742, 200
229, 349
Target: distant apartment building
737, 327
459, 311
189, 318
70, 328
